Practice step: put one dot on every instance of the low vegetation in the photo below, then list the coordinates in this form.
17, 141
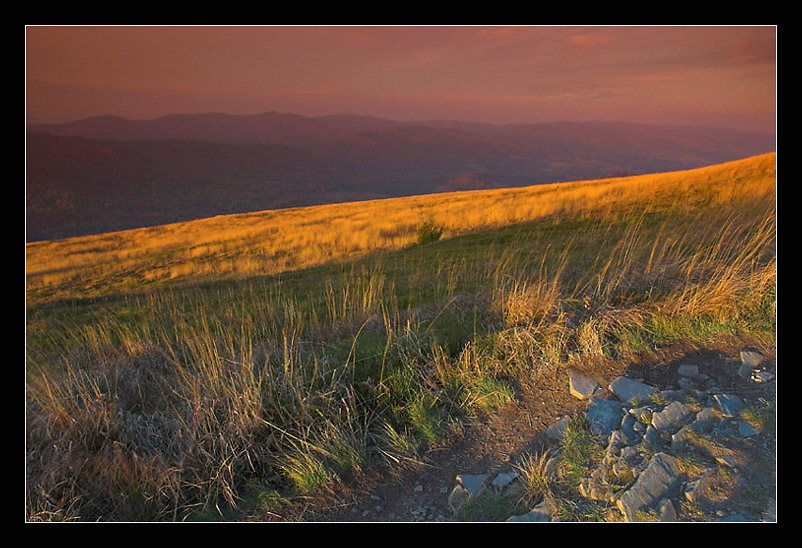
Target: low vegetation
237, 364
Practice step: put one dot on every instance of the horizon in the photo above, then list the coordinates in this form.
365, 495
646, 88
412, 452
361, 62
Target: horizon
412, 122
498, 75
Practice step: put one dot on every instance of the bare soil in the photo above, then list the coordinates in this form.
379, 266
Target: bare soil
419, 491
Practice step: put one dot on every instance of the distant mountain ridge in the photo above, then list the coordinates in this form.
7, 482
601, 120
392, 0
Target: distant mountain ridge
109, 173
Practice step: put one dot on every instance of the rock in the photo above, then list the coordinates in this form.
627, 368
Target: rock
671, 418
667, 511
747, 430
696, 488
474, 484
680, 440
653, 484
458, 495
762, 376
704, 421
737, 517
539, 513
691, 371
751, 357
627, 389
651, 437
604, 415
750, 360
503, 479
556, 431
582, 386
729, 405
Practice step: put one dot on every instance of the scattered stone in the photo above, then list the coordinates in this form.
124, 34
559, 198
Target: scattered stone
696, 488
458, 495
556, 431
751, 357
582, 386
747, 430
667, 511
750, 360
539, 513
680, 440
655, 483
762, 376
503, 479
474, 484
627, 389
688, 371
705, 420
737, 517
604, 415
671, 418
418, 489
638, 472
729, 405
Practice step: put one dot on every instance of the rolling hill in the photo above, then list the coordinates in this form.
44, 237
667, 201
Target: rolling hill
284, 364
108, 173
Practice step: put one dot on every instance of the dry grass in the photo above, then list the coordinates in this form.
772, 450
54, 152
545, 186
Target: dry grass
165, 405
276, 241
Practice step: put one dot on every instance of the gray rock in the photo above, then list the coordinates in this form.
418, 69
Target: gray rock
672, 417
503, 479
458, 496
691, 371
653, 484
762, 376
680, 440
474, 484
631, 428
667, 511
747, 430
539, 513
704, 421
651, 437
751, 358
627, 389
696, 488
582, 386
729, 405
557, 430
604, 415
735, 518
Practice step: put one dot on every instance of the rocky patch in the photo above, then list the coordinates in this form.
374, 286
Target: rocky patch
697, 452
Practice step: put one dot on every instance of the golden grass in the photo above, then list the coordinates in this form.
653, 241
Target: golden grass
274, 241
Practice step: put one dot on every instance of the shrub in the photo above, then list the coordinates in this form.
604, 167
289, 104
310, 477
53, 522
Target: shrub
429, 232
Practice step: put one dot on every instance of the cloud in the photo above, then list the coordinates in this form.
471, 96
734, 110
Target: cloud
591, 40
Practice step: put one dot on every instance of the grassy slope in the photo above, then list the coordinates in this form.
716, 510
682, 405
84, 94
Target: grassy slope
163, 397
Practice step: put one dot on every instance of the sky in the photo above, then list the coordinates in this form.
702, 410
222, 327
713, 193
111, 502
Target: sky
703, 75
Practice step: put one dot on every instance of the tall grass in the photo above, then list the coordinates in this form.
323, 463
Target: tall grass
168, 404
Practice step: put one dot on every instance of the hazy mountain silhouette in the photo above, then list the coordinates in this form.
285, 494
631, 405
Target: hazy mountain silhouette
109, 173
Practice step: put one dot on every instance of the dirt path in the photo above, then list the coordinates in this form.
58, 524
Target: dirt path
419, 491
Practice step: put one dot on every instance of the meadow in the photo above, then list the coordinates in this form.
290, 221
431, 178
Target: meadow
187, 371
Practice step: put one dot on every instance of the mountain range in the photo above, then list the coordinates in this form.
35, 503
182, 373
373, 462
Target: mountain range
108, 173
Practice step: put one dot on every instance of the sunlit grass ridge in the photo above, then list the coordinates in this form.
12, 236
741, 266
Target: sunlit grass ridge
187, 401
276, 241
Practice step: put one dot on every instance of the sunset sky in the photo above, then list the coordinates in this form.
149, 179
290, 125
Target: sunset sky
681, 75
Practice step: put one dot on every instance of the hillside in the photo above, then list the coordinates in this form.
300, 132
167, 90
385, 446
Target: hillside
106, 173
296, 364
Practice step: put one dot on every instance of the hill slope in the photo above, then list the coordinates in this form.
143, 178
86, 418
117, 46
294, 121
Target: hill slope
108, 173
275, 241
279, 365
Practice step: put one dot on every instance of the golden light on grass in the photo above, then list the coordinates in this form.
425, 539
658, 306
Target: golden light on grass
279, 240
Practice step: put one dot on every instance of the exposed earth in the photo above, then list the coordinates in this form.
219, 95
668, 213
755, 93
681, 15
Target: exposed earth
419, 490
